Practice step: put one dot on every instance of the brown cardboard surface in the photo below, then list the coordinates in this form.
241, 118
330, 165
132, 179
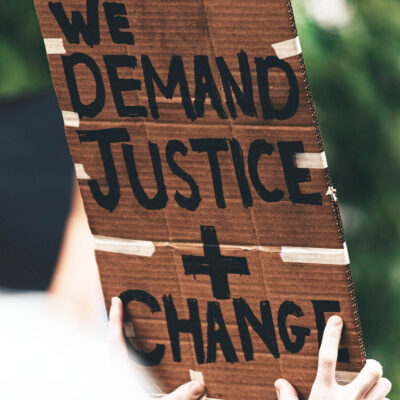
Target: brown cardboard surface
288, 256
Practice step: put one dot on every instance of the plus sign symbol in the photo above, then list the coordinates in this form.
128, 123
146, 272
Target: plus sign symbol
215, 264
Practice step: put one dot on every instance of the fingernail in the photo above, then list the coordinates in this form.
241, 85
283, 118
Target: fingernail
335, 320
375, 364
114, 301
196, 388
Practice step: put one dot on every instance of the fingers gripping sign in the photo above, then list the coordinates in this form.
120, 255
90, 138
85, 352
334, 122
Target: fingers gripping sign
116, 344
368, 385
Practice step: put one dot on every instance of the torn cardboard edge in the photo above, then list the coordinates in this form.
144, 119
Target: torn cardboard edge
335, 209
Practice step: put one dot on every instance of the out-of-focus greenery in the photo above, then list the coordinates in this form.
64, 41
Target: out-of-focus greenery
23, 65
355, 77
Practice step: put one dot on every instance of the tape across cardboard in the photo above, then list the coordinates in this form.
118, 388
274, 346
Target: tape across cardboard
200, 161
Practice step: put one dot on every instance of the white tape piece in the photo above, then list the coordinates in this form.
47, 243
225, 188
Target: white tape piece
332, 192
54, 46
345, 377
196, 376
128, 330
140, 248
70, 118
287, 48
311, 160
311, 255
80, 172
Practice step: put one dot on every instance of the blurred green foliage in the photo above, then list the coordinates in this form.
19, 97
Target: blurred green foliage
23, 64
355, 77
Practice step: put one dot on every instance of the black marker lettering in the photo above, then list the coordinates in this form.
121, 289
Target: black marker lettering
160, 200
104, 138
220, 335
205, 84
244, 98
116, 19
294, 176
89, 31
264, 329
215, 264
320, 308
119, 85
269, 112
190, 203
212, 147
176, 75
93, 108
148, 358
290, 308
177, 326
257, 149
238, 163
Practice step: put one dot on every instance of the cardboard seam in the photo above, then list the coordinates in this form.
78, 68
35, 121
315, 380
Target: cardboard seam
216, 123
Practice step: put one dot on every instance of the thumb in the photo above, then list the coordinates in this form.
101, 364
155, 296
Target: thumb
189, 391
285, 391
115, 334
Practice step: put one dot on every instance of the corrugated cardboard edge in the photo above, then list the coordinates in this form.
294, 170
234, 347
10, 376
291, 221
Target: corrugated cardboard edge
334, 203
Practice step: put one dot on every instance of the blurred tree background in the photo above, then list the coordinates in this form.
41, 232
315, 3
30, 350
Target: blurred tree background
352, 52
23, 64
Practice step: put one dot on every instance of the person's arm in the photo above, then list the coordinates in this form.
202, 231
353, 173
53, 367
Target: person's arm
368, 385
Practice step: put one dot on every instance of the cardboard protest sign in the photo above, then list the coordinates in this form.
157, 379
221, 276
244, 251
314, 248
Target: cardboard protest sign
200, 161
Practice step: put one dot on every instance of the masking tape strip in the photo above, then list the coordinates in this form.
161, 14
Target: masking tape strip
70, 118
311, 255
196, 376
54, 46
287, 48
80, 172
345, 377
124, 246
129, 330
311, 160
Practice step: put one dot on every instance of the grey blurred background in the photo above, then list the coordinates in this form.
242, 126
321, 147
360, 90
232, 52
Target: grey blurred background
352, 52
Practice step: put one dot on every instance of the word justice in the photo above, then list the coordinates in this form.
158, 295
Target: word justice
211, 147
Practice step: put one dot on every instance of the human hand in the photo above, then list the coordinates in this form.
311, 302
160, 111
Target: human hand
368, 385
116, 344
